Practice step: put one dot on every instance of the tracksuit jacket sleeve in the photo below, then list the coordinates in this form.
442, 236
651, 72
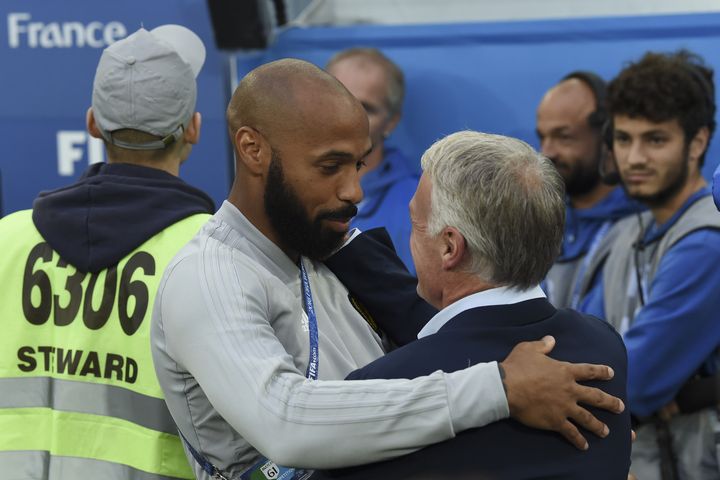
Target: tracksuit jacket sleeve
213, 322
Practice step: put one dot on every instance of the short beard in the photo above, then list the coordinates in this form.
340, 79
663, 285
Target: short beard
583, 180
290, 221
660, 198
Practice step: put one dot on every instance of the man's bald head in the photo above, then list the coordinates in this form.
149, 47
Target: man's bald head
567, 136
572, 96
300, 139
286, 96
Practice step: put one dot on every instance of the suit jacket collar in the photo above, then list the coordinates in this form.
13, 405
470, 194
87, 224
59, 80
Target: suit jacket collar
515, 315
485, 298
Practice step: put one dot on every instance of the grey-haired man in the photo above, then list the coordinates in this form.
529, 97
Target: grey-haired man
79, 396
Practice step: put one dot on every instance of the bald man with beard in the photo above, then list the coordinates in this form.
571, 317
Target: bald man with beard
569, 125
253, 334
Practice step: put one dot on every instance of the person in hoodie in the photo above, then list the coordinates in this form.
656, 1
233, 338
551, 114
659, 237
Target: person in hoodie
79, 395
658, 286
570, 120
388, 181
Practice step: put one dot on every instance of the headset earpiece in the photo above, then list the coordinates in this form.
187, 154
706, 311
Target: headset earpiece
600, 121
599, 117
608, 166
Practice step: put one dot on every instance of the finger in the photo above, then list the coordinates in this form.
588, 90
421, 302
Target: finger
595, 397
573, 435
548, 343
589, 371
588, 421
633, 435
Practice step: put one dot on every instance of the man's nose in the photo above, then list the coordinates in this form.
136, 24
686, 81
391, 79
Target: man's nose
636, 154
350, 189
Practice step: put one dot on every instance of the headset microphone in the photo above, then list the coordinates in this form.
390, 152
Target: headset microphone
611, 177
600, 121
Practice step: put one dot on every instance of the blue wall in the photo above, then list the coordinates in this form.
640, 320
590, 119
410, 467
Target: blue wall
483, 76
491, 76
46, 88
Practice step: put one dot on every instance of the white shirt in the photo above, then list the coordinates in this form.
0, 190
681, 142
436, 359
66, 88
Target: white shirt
486, 298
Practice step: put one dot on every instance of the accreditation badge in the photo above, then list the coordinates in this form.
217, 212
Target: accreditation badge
268, 470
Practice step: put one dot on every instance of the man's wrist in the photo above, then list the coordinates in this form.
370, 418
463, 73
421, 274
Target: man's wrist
476, 396
501, 371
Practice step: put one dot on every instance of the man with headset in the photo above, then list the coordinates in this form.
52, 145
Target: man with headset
569, 125
658, 285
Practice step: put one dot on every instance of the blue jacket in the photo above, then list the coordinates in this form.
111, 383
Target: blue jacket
111, 210
585, 237
581, 225
388, 190
677, 332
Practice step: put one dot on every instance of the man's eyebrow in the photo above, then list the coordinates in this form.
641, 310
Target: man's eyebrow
553, 131
655, 131
561, 129
341, 155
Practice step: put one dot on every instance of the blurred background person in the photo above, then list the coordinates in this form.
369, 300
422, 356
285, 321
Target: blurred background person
570, 120
388, 182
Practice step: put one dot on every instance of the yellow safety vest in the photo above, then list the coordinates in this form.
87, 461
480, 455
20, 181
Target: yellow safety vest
77, 380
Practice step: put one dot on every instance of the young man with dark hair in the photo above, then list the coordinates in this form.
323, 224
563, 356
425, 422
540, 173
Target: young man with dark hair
658, 285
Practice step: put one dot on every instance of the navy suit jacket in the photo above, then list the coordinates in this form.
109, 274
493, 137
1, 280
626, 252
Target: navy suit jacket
505, 449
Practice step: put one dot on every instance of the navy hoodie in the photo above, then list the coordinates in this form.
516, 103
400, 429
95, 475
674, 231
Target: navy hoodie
112, 210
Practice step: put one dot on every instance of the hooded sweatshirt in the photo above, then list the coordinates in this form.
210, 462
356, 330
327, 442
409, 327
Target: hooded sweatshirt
387, 192
584, 232
112, 210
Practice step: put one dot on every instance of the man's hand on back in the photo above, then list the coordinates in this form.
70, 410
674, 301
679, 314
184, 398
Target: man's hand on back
543, 393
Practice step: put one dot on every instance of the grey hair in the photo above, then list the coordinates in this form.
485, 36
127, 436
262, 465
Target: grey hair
505, 198
396, 78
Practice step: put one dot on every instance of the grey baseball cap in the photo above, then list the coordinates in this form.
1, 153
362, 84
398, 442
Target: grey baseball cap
146, 82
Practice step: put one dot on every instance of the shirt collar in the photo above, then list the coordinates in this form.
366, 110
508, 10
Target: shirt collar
486, 298
257, 241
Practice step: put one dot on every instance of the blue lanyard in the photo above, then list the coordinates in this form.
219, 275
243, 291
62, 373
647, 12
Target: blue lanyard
594, 245
264, 465
314, 357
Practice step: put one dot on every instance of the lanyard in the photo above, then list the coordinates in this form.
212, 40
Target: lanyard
594, 245
314, 356
268, 468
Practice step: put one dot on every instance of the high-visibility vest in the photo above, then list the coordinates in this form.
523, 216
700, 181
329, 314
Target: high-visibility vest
78, 393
